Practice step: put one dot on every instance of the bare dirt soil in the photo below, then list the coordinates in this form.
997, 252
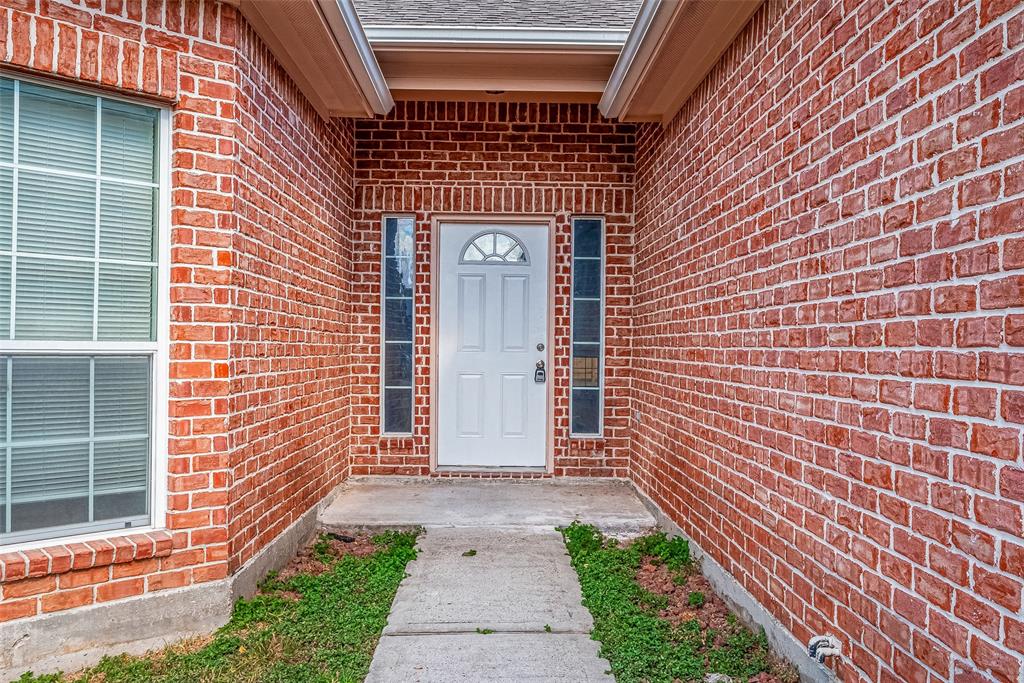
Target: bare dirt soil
310, 560
709, 610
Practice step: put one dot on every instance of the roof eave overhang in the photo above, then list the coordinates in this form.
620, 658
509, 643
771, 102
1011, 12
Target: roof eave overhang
493, 37
324, 49
671, 48
491, 63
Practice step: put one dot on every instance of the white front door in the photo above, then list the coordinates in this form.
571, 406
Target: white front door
492, 331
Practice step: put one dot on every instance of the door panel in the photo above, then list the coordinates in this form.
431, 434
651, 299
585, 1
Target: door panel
471, 312
470, 397
514, 411
492, 313
515, 312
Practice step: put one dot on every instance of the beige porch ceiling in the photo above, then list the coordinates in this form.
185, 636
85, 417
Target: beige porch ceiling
555, 65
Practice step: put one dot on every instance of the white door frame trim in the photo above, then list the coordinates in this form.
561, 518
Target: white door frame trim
522, 219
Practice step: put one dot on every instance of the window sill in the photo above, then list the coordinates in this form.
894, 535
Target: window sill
60, 558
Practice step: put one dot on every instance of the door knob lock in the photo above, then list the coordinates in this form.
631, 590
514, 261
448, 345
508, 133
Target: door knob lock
540, 347
540, 375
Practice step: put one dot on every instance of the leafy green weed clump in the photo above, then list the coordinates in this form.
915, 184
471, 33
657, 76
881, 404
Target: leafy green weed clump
642, 645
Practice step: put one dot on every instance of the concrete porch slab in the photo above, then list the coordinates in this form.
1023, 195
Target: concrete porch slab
375, 503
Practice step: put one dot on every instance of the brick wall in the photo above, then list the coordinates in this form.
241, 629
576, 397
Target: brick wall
256, 309
436, 157
828, 313
289, 357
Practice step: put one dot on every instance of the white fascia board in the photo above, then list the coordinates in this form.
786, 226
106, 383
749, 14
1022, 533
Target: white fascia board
454, 36
352, 40
648, 30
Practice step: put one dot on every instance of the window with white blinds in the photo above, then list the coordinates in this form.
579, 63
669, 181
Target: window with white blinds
80, 189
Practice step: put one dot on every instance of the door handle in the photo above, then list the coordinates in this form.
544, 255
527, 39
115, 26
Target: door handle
540, 375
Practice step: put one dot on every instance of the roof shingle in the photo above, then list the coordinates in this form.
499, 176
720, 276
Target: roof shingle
595, 14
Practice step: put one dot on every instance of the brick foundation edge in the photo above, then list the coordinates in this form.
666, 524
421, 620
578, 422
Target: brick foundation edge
144, 622
752, 613
69, 641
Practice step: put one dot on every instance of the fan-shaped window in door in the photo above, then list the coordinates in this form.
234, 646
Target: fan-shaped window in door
494, 247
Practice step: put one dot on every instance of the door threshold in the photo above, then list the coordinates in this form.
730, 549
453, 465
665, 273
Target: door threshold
490, 469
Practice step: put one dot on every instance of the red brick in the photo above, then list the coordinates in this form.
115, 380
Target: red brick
933, 397
27, 587
952, 634
998, 588
175, 579
993, 9
1011, 483
14, 565
973, 542
1005, 218
1004, 293
1012, 559
1013, 406
1001, 664
999, 514
977, 332
17, 609
995, 441
1015, 634
975, 401
116, 590
85, 577
955, 299
69, 599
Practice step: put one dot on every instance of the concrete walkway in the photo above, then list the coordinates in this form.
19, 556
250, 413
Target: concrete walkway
491, 595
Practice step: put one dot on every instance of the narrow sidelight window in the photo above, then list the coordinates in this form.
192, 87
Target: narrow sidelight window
399, 275
586, 398
80, 191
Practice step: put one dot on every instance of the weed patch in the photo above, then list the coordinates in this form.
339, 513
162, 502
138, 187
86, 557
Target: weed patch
317, 621
656, 617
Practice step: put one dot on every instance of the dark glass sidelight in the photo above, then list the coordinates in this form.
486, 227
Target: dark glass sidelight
586, 397
397, 351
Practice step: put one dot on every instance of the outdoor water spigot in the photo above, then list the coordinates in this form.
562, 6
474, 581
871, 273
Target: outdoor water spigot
821, 647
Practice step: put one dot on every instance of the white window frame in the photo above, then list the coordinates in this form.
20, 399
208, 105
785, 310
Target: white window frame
157, 350
603, 258
383, 325
487, 260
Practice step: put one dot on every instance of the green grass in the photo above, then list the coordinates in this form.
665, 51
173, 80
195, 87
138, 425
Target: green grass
641, 646
309, 628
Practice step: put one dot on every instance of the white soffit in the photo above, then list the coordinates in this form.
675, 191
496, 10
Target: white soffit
670, 49
324, 49
496, 63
